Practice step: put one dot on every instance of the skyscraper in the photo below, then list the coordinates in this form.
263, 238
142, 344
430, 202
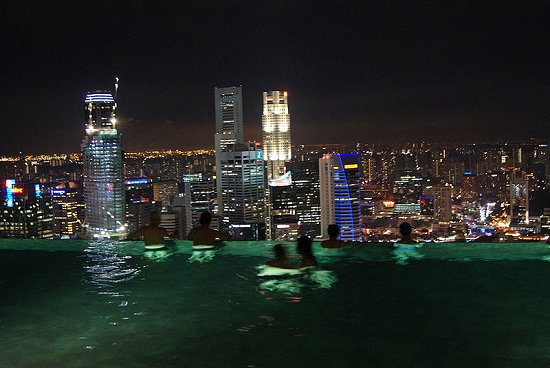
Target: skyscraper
340, 194
305, 182
276, 144
68, 210
25, 212
276, 132
519, 198
103, 168
228, 108
198, 196
242, 183
442, 197
285, 224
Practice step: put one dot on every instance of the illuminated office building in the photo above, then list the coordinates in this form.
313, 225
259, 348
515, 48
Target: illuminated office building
103, 182
442, 200
242, 183
284, 222
139, 202
305, 182
340, 178
68, 210
228, 109
276, 132
199, 195
164, 192
519, 198
25, 212
276, 144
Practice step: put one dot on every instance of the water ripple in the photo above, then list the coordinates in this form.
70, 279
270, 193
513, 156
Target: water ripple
106, 268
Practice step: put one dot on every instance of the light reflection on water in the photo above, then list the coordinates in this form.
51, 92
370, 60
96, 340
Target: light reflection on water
105, 268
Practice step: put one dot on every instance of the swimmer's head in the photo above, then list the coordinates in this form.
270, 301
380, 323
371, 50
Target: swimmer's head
280, 251
206, 218
155, 218
333, 230
304, 246
405, 228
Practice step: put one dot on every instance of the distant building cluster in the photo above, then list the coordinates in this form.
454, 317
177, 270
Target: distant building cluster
275, 190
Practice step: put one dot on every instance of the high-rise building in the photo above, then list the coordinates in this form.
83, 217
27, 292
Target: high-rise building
164, 192
25, 212
242, 183
276, 132
103, 168
442, 197
284, 222
199, 195
68, 210
139, 202
340, 178
305, 182
276, 144
519, 198
228, 108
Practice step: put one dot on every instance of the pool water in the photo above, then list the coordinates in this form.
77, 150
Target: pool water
78, 304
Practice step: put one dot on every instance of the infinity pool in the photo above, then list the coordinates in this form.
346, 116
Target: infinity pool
102, 304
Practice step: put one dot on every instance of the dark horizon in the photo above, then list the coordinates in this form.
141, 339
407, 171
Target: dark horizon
376, 72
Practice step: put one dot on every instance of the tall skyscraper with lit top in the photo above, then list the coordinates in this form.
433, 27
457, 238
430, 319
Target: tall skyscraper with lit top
105, 208
276, 132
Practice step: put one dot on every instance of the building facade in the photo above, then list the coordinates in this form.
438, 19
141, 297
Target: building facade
242, 183
105, 209
228, 109
25, 212
442, 199
305, 182
68, 210
340, 178
276, 133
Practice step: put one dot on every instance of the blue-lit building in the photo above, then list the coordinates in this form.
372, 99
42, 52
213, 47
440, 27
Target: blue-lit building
139, 202
25, 212
104, 198
340, 178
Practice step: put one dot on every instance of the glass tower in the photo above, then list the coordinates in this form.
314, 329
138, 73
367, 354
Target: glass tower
242, 182
340, 180
104, 198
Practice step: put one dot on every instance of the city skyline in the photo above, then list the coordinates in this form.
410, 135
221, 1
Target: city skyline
379, 71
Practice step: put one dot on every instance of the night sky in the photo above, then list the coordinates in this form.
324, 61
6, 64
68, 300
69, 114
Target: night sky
457, 71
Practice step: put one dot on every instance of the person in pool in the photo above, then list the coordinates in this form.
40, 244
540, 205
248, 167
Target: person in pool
204, 235
406, 234
304, 249
281, 257
333, 231
153, 234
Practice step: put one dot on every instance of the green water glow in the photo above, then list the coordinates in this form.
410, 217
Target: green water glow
103, 304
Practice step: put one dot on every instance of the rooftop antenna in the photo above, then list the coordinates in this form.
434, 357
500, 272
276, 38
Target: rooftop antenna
116, 92
116, 87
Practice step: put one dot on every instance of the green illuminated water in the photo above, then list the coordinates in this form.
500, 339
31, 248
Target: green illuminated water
74, 304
